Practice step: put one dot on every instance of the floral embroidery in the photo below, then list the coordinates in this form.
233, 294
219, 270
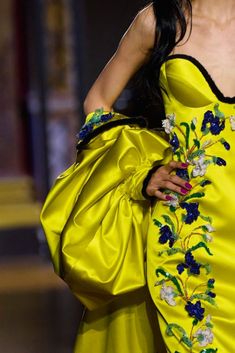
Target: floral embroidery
174, 233
97, 119
232, 122
167, 293
204, 337
169, 123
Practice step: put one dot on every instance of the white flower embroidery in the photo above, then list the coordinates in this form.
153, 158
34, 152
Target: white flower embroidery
194, 121
209, 238
169, 123
232, 122
174, 202
167, 293
209, 228
200, 166
204, 337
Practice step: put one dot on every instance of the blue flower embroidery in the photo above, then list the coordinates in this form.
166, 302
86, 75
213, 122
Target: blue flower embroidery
97, 119
226, 145
216, 125
86, 129
182, 173
205, 182
174, 142
192, 211
195, 310
166, 235
190, 264
220, 161
211, 283
106, 117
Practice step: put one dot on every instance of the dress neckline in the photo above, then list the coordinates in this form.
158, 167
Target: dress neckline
215, 89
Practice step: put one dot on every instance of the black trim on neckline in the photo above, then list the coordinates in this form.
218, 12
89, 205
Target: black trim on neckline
139, 121
214, 88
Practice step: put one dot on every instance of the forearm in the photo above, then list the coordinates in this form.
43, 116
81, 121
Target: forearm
133, 51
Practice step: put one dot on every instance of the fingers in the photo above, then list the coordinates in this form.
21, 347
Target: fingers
175, 165
163, 179
161, 196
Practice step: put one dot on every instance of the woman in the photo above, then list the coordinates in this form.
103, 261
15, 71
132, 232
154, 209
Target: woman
98, 238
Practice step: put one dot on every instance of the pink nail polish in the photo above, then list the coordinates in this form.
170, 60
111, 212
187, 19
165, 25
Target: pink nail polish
184, 165
188, 186
169, 198
184, 191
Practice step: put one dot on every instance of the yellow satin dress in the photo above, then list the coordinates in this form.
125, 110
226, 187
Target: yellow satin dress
114, 248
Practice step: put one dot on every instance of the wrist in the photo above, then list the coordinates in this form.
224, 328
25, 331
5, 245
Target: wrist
146, 181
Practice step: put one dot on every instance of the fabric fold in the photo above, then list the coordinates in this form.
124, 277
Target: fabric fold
95, 217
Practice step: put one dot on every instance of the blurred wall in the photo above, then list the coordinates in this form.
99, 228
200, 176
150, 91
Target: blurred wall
51, 52
101, 25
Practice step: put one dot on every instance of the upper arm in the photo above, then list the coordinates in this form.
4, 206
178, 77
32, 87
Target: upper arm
133, 51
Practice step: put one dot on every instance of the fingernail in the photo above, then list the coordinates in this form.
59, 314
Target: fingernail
184, 165
169, 198
184, 191
188, 186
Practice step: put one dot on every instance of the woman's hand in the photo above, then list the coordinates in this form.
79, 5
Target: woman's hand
163, 179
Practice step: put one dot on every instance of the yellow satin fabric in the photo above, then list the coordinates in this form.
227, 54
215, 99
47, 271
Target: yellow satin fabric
95, 219
189, 96
96, 222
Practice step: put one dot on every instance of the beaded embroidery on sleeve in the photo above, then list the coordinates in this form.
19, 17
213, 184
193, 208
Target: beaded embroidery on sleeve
98, 118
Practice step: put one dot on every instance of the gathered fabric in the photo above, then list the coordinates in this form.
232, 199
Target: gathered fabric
96, 219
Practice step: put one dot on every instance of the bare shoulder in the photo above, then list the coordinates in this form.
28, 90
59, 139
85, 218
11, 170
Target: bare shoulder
144, 26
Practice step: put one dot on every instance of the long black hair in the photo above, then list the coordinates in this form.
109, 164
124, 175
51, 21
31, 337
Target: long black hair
172, 20
172, 17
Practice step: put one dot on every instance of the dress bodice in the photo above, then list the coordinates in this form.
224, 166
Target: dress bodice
186, 83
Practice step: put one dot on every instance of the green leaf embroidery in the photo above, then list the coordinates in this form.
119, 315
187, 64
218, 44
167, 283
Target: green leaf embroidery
178, 155
201, 245
210, 350
187, 341
184, 338
157, 223
209, 324
186, 125
172, 208
206, 131
204, 297
171, 251
193, 126
168, 220
206, 218
218, 113
207, 267
214, 159
196, 195
173, 279
197, 143
195, 154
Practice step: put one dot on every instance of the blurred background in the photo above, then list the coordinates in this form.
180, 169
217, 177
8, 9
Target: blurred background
50, 53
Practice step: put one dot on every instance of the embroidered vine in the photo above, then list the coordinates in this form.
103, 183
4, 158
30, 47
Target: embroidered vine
97, 119
177, 237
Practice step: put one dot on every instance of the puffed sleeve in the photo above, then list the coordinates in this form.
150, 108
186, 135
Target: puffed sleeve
95, 217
